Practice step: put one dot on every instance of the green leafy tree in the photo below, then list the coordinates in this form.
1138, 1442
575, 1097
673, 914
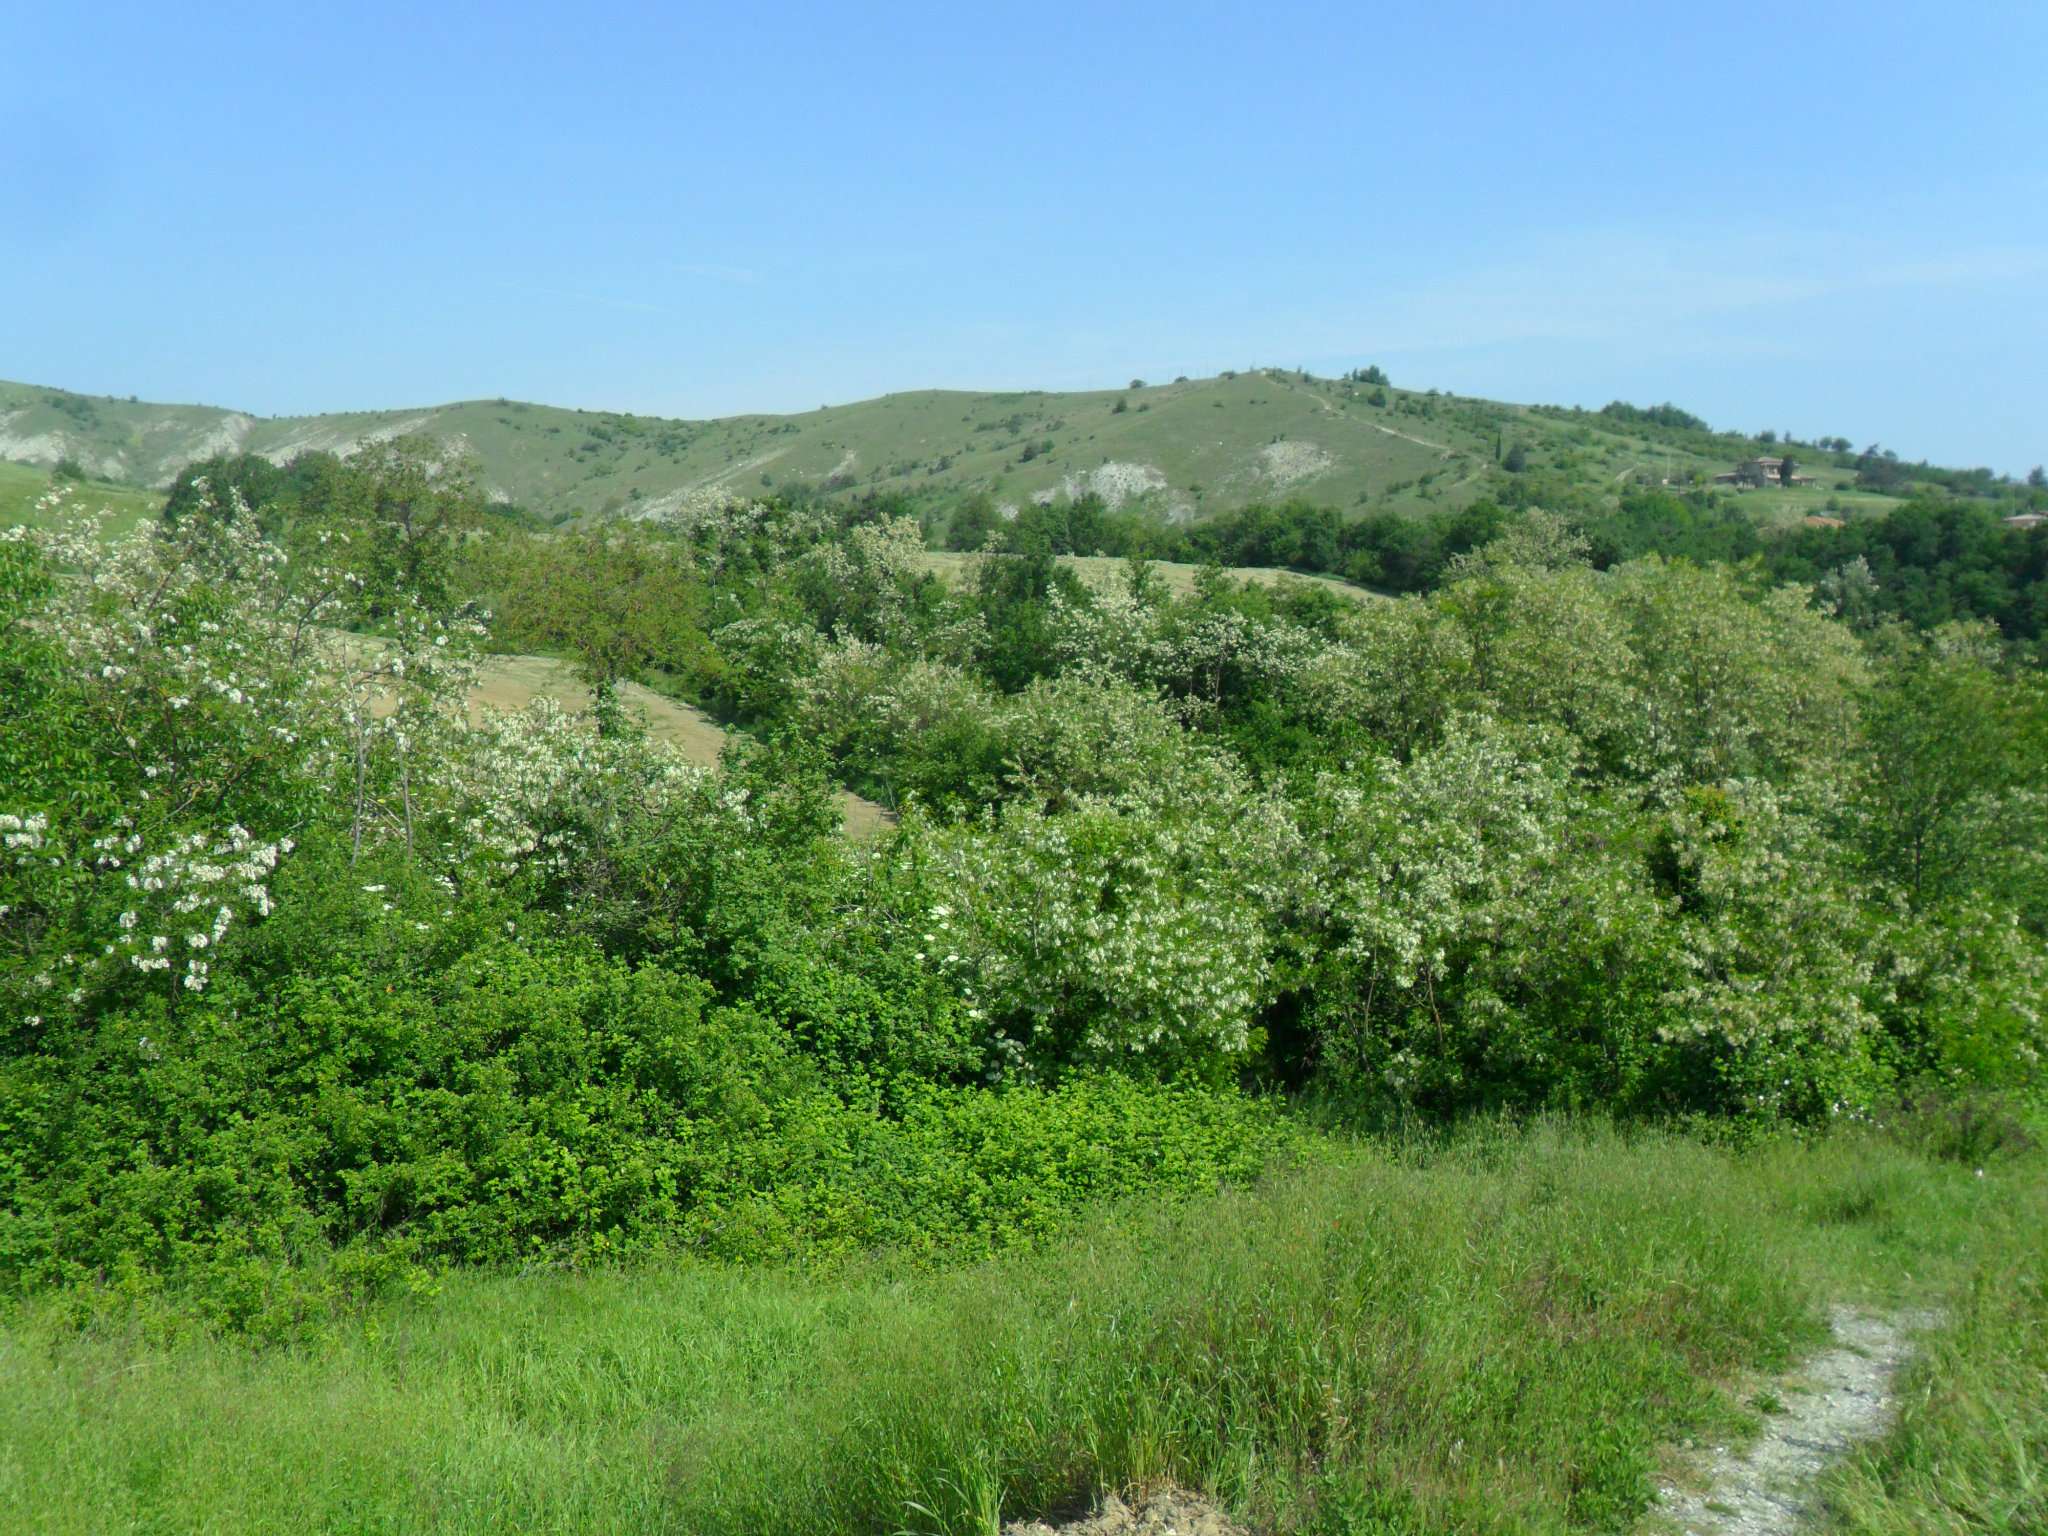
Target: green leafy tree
621, 603
1949, 793
399, 508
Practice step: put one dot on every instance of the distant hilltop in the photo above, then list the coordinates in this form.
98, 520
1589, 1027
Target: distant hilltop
1184, 449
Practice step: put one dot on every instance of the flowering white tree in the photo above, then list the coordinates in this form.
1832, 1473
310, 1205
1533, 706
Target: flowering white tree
1730, 686
1191, 653
1421, 867
1133, 929
194, 711
1778, 965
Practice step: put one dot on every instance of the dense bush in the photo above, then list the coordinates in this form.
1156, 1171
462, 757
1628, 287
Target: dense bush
1938, 559
464, 1093
300, 961
1932, 562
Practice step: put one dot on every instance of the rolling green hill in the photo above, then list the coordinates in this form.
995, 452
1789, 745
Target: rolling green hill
1185, 449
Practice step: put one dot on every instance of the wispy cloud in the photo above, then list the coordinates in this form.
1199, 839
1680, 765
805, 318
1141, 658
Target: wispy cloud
1629, 285
581, 296
718, 272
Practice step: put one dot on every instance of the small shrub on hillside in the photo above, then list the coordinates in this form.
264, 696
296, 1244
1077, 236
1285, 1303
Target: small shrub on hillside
1973, 1128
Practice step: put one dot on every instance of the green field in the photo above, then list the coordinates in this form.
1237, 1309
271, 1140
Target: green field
22, 487
1836, 496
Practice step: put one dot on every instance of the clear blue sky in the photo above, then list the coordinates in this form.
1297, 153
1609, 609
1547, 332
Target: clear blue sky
1820, 218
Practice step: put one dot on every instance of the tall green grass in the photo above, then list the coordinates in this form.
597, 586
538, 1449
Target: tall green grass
1497, 1334
1970, 1449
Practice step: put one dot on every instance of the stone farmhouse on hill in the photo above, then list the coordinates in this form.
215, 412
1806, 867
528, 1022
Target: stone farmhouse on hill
1760, 472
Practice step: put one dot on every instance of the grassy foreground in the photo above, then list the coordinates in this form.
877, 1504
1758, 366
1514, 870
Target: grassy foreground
1970, 1450
1498, 1334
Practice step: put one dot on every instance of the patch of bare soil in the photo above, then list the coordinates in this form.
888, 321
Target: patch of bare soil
1115, 481
1290, 462
1833, 1401
1162, 1512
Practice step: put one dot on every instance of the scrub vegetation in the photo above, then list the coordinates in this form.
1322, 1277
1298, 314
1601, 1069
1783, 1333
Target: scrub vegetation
1390, 1062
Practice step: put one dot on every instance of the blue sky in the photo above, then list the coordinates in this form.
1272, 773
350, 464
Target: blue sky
1819, 218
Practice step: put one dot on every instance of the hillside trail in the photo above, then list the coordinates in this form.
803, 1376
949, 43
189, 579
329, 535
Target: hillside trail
1833, 1401
723, 477
1445, 449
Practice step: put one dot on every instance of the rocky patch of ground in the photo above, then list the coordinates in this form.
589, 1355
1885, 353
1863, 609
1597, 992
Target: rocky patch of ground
1116, 482
1833, 1401
1290, 462
1161, 1512
322, 435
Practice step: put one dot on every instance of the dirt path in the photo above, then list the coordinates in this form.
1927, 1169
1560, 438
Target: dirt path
732, 472
1407, 437
1831, 1402
1421, 442
513, 682
1836, 1399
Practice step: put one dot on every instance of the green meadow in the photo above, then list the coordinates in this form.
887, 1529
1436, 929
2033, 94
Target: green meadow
1503, 1329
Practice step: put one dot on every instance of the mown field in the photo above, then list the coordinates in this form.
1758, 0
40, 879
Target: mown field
1098, 572
1502, 1331
514, 682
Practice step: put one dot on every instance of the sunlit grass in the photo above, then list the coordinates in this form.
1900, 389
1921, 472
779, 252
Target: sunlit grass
1496, 1335
1970, 1450
23, 486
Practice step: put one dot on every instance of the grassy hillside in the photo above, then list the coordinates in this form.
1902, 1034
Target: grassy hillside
1185, 449
23, 486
